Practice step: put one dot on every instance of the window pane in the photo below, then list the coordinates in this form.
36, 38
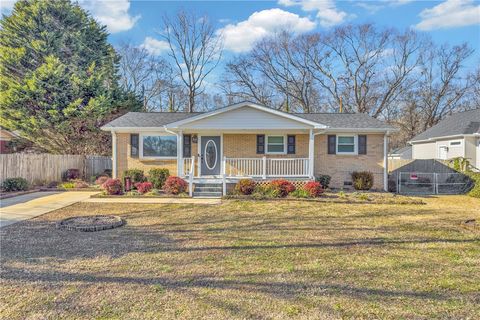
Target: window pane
346, 148
346, 140
160, 146
275, 148
277, 139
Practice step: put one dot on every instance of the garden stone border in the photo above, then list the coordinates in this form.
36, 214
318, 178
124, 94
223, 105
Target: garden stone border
114, 223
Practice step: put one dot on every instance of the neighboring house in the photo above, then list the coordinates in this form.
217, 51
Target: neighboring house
250, 140
456, 136
404, 153
5, 137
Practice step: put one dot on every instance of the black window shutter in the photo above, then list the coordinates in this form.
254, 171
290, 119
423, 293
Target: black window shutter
291, 144
260, 143
134, 145
362, 144
332, 144
187, 145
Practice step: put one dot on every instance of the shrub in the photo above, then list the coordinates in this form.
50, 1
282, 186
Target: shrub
313, 188
113, 186
79, 184
475, 190
67, 185
15, 184
72, 174
158, 176
135, 174
362, 180
283, 187
300, 193
175, 185
101, 180
144, 187
245, 186
324, 180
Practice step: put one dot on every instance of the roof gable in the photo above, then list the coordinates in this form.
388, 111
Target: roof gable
461, 123
246, 115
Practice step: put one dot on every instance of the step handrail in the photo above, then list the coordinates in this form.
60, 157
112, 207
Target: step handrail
190, 177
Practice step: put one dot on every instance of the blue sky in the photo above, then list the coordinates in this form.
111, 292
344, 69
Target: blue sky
244, 22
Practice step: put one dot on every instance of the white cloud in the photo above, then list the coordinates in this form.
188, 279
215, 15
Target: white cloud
327, 13
155, 47
240, 37
6, 6
450, 14
112, 13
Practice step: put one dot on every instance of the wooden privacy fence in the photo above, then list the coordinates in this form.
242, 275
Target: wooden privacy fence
38, 168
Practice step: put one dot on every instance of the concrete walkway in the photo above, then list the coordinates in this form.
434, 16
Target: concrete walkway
156, 200
35, 204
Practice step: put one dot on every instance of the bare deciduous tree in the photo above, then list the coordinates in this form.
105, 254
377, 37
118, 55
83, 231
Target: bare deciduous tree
195, 48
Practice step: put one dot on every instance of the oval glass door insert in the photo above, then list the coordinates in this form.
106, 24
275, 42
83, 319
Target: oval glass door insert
210, 154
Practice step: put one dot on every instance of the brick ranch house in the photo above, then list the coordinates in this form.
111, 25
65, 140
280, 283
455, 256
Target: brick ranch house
250, 140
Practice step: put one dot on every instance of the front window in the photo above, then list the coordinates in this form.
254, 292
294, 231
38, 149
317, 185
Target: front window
159, 146
346, 144
275, 144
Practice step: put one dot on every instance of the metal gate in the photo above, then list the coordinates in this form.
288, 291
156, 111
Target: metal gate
432, 183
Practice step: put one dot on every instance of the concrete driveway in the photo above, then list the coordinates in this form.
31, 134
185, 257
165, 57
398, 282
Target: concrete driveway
35, 204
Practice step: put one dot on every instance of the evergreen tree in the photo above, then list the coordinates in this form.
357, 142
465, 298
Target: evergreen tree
58, 77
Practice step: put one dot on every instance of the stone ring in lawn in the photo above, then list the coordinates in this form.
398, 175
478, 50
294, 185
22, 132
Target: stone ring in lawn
90, 223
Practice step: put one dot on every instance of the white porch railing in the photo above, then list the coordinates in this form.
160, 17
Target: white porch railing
191, 171
187, 163
266, 167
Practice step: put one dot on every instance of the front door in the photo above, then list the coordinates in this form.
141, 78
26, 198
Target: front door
210, 155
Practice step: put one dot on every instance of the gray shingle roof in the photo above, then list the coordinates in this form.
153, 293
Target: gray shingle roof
332, 120
148, 119
345, 120
467, 122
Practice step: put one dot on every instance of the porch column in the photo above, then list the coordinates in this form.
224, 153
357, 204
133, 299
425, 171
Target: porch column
114, 155
311, 144
385, 162
180, 154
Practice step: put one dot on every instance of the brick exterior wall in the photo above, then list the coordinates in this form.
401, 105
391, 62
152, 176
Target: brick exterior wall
340, 167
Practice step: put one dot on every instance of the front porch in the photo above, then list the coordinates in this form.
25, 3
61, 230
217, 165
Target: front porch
234, 169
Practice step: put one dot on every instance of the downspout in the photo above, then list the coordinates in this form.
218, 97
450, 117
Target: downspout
114, 154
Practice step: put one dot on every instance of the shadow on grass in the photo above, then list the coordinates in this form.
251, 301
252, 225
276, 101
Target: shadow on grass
284, 289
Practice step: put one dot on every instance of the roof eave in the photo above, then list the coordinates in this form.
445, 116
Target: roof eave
445, 137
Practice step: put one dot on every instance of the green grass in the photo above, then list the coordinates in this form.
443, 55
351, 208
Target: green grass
247, 259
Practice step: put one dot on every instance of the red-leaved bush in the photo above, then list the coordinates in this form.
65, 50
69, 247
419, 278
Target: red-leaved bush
113, 186
101, 180
283, 187
144, 187
174, 185
245, 186
313, 188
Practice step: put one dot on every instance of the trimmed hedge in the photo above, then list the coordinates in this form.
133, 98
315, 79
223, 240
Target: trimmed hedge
245, 186
136, 175
15, 184
158, 176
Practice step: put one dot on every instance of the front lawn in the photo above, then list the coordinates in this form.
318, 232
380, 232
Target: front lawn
247, 259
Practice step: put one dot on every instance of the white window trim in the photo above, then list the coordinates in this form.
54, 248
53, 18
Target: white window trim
355, 144
146, 134
284, 143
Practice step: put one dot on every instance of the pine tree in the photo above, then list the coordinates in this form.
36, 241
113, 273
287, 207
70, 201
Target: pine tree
58, 77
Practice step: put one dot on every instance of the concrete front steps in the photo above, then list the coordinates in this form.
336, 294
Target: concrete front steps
208, 190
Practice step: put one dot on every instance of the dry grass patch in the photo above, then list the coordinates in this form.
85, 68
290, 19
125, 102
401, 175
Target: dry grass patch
245, 259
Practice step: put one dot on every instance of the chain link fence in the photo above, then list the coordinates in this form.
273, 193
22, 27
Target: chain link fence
432, 183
